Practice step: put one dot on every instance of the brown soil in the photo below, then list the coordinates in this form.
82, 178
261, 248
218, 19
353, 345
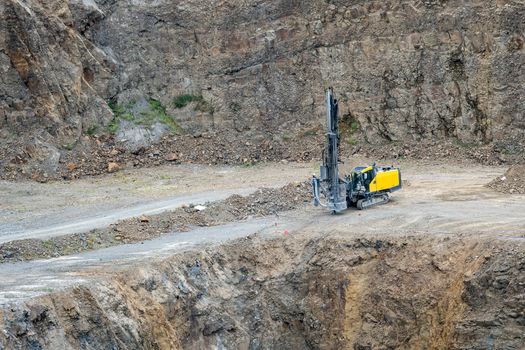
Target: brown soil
263, 202
513, 181
296, 292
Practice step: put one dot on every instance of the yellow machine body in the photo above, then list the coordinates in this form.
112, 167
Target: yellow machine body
385, 180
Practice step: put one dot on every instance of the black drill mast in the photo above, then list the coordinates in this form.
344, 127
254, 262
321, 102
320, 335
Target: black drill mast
329, 183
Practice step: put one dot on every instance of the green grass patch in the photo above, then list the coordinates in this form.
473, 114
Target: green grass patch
354, 126
69, 146
113, 125
92, 239
156, 113
349, 128
235, 107
48, 245
119, 113
182, 101
160, 114
351, 141
92, 130
201, 104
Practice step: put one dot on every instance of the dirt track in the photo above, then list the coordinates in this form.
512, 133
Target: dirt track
439, 265
450, 198
435, 200
35, 210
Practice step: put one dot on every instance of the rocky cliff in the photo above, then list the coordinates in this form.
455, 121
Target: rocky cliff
404, 70
317, 293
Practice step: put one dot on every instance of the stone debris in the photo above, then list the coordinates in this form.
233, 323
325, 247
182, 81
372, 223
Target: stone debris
513, 182
264, 202
171, 157
113, 167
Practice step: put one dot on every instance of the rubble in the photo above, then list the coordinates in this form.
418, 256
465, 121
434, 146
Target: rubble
513, 182
112, 167
263, 202
102, 155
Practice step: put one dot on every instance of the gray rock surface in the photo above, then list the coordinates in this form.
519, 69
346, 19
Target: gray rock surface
136, 137
405, 71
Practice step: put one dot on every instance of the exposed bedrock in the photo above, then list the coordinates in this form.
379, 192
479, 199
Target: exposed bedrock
293, 293
404, 70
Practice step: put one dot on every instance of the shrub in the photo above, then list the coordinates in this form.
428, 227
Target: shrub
201, 105
92, 130
182, 101
156, 113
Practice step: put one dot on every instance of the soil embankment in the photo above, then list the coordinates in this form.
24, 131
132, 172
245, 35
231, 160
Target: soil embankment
263, 202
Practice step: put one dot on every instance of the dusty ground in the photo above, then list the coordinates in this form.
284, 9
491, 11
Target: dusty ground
51, 220
29, 209
262, 202
441, 267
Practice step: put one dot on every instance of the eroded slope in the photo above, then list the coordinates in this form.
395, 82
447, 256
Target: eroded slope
301, 291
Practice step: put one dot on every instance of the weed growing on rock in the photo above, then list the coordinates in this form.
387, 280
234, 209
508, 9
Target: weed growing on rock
160, 114
92, 130
48, 245
350, 127
351, 141
201, 104
182, 101
235, 107
69, 146
155, 113
119, 113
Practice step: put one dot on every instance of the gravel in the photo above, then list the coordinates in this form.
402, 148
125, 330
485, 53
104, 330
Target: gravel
512, 182
263, 202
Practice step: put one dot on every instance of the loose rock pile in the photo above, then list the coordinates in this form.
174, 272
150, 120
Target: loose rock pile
106, 154
267, 201
264, 202
512, 182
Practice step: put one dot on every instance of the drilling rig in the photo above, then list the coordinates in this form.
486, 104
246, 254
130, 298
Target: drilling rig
364, 187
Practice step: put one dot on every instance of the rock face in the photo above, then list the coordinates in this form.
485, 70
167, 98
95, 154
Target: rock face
44, 60
404, 71
301, 293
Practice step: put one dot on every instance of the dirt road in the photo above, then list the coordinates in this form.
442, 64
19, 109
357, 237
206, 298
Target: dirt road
447, 200
34, 210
